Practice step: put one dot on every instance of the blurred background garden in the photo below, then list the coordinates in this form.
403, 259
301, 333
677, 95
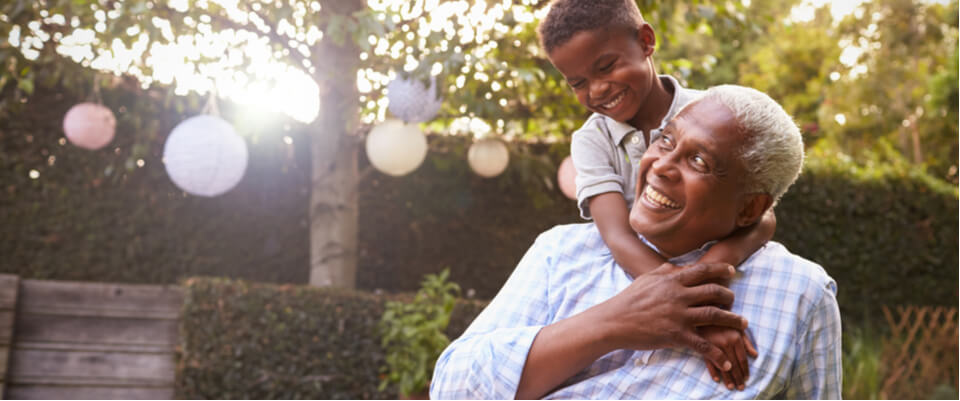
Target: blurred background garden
288, 266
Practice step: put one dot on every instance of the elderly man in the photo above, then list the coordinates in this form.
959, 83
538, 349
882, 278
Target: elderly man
570, 323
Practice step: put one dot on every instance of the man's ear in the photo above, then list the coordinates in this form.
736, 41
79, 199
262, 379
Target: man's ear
752, 208
647, 39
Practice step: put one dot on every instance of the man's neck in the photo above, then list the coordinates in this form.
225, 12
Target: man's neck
655, 106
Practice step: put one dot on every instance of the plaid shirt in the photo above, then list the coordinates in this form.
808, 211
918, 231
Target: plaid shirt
789, 301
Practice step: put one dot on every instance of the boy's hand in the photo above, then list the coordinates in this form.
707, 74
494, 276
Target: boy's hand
737, 347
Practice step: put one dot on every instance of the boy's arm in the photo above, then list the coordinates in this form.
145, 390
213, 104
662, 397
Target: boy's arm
734, 343
742, 243
613, 221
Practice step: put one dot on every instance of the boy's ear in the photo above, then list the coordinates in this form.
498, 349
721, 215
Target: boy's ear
647, 38
752, 208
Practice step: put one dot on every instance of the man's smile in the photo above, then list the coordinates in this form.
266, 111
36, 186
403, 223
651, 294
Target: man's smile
658, 199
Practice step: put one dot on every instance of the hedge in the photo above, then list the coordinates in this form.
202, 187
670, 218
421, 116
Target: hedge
244, 340
888, 234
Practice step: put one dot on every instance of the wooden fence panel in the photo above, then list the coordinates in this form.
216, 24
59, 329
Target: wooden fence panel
9, 284
94, 341
921, 352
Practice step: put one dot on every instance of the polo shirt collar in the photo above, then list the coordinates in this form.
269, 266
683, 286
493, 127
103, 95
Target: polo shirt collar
619, 130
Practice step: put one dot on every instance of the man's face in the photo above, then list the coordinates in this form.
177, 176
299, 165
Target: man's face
689, 189
609, 70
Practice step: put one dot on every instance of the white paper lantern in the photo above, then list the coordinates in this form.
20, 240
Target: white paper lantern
411, 101
204, 156
566, 178
396, 148
89, 125
488, 157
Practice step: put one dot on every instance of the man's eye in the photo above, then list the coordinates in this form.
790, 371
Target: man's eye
607, 67
666, 142
699, 163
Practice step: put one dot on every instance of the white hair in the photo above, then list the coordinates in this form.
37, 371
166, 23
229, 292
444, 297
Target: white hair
773, 149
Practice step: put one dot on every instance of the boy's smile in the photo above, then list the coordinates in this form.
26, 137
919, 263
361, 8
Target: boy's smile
611, 72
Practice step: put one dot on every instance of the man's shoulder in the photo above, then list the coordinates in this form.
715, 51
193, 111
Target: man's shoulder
778, 265
585, 232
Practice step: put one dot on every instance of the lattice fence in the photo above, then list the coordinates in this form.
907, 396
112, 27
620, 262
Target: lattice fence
921, 352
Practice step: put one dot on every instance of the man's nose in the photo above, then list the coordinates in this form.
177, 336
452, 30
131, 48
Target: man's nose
598, 89
665, 167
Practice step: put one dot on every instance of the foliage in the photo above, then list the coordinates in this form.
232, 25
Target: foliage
863, 369
887, 234
243, 340
413, 333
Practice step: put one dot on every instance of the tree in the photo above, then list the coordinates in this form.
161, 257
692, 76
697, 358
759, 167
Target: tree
486, 59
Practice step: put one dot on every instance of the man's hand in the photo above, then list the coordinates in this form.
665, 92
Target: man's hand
736, 346
664, 308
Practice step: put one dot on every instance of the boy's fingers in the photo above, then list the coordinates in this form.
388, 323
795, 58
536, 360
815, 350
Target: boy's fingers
744, 367
714, 373
737, 371
709, 351
728, 381
751, 350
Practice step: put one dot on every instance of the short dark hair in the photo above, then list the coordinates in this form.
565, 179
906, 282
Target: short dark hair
567, 17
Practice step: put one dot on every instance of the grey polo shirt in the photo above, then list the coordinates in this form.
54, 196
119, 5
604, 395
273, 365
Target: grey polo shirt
606, 153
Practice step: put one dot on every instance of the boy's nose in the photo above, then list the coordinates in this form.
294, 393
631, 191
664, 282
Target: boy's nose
598, 89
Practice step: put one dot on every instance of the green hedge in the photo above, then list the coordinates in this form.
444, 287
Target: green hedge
886, 234
242, 340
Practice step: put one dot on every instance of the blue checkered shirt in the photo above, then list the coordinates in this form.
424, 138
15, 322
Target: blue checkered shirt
789, 301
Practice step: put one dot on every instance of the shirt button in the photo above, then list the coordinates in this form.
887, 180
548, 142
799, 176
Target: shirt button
635, 140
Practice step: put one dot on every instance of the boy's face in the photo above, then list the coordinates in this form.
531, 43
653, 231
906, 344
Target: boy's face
609, 70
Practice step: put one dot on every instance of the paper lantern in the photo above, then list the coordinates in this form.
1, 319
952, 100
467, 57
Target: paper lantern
89, 125
411, 101
396, 148
204, 156
566, 178
488, 157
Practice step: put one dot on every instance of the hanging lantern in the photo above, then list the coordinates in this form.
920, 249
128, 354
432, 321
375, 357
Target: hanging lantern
566, 178
411, 101
396, 148
488, 157
204, 156
89, 125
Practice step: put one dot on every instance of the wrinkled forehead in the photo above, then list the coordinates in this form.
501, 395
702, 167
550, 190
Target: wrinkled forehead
712, 120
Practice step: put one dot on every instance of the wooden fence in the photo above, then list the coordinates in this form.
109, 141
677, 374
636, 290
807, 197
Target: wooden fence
921, 352
74, 340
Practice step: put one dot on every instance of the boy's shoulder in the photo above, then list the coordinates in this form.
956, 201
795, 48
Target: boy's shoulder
599, 126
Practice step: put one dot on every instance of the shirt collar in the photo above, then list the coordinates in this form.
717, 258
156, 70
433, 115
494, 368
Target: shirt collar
619, 130
685, 259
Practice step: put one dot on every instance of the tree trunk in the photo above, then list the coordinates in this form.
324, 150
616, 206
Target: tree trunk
334, 146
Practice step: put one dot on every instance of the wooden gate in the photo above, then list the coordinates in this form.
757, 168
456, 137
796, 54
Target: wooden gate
75, 340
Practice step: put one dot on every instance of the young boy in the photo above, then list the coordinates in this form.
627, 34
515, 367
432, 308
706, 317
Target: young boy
605, 49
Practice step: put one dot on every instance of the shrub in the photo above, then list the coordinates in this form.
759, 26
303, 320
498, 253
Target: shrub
886, 234
413, 334
242, 340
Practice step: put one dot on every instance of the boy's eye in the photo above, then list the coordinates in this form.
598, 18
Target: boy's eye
607, 67
576, 84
